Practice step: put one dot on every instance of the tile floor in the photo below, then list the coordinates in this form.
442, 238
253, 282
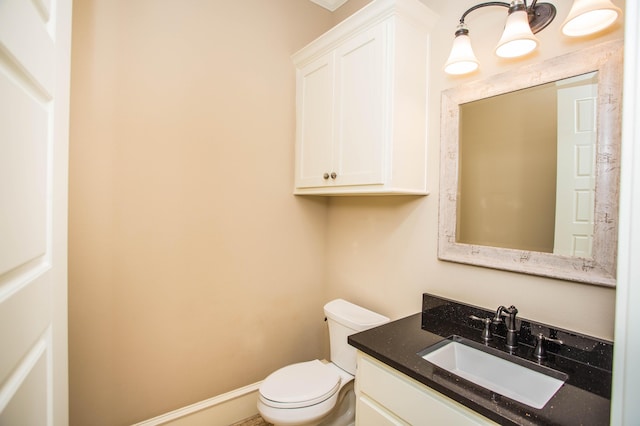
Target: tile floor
252, 421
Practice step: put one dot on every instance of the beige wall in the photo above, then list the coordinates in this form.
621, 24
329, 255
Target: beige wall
382, 252
348, 9
193, 268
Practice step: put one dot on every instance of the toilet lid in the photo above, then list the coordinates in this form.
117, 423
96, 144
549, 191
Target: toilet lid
300, 385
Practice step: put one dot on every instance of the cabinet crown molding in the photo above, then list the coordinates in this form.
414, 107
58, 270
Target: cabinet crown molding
412, 12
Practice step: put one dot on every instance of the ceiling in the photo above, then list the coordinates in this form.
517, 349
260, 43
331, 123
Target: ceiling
330, 4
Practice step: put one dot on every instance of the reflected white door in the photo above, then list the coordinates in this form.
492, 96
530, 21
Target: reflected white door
34, 101
575, 184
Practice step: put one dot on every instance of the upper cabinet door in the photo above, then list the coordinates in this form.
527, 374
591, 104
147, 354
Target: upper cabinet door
361, 106
314, 127
360, 127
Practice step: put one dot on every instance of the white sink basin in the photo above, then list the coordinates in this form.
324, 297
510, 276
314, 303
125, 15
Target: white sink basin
512, 380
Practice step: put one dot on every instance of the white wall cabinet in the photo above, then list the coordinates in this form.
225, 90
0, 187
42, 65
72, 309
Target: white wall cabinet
361, 103
387, 397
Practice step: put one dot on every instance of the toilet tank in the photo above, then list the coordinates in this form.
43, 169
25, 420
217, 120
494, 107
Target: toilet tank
345, 318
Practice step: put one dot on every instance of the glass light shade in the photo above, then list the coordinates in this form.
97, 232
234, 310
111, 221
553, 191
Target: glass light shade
517, 38
461, 60
589, 16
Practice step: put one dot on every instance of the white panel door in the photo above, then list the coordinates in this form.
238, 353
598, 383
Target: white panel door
34, 99
575, 184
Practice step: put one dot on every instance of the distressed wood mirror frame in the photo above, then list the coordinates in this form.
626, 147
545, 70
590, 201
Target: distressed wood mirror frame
600, 269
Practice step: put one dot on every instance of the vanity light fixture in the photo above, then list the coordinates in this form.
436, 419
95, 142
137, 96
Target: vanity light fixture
589, 16
518, 39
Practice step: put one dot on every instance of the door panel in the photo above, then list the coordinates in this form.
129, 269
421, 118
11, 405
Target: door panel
29, 307
29, 403
34, 95
27, 44
23, 176
575, 185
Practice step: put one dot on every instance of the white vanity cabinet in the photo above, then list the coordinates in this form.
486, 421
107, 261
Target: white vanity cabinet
387, 397
361, 103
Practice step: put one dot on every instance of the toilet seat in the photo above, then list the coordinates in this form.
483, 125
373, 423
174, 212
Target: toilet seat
300, 385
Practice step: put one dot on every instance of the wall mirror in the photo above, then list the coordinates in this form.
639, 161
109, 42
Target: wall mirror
530, 165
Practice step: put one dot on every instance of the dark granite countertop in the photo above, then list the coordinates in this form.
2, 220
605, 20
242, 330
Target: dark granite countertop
584, 399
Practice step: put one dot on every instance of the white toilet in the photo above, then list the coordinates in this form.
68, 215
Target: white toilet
315, 392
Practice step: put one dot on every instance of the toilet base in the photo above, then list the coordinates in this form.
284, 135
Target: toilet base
344, 414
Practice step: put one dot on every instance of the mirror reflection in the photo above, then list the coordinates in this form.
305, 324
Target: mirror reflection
527, 168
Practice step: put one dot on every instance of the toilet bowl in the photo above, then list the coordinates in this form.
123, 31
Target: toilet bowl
302, 393
317, 392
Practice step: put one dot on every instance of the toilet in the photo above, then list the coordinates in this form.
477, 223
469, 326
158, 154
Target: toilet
317, 392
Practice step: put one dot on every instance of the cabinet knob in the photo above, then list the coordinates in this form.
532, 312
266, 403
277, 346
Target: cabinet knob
333, 175
325, 176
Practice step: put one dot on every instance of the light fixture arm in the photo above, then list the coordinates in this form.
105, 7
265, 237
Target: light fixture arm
481, 5
540, 15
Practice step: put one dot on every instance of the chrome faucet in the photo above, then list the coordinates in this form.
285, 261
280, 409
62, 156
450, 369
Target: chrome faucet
510, 322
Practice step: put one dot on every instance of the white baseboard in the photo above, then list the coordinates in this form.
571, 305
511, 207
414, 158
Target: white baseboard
221, 410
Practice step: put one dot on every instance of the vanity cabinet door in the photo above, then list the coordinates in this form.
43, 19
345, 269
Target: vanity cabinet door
371, 414
407, 399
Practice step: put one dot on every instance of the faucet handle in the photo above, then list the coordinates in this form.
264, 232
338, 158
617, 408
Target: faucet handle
486, 333
540, 351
